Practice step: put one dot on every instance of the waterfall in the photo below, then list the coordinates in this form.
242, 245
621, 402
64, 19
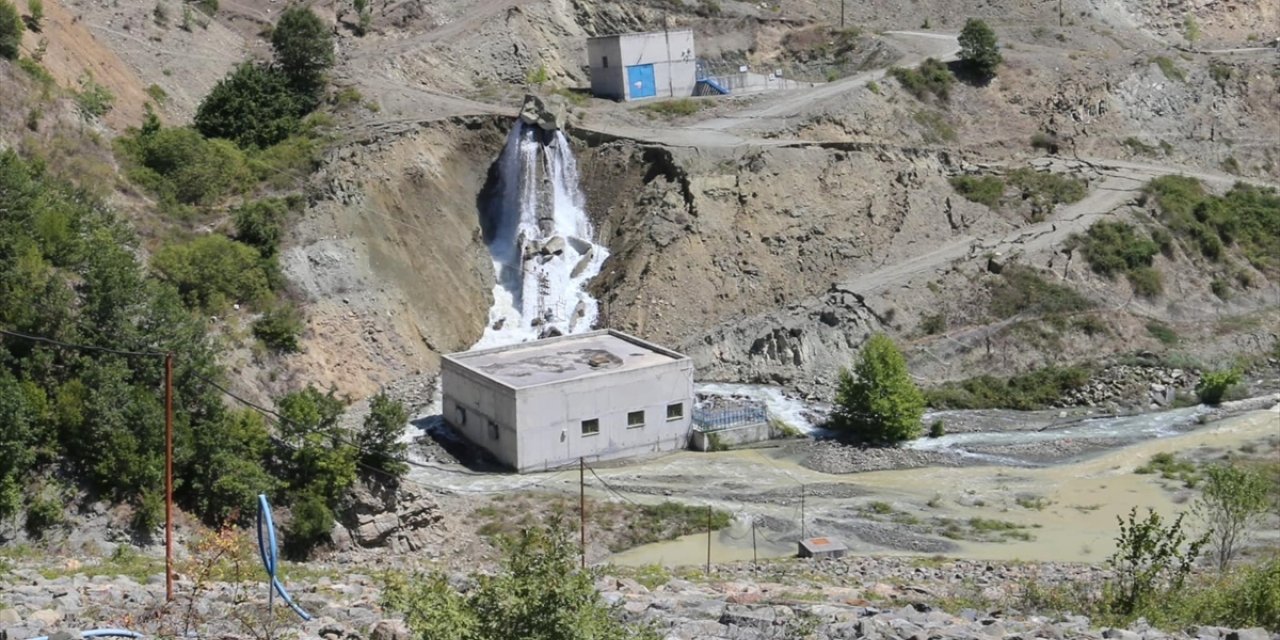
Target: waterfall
541, 241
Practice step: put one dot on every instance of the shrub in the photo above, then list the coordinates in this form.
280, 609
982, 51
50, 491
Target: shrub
1233, 504
936, 127
878, 402
1162, 332
260, 224
1037, 389
93, 99
979, 48
1146, 282
379, 437
1169, 69
984, 189
183, 168
1022, 290
934, 324
1113, 248
279, 328
1139, 147
1213, 385
1044, 190
43, 514
1151, 561
932, 77
1045, 141
213, 271
10, 30
35, 9
310, 522
674, 108
253, 106
322, 460
937, 429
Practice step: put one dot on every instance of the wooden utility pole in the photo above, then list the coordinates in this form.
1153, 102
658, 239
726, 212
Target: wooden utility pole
582, 509
708, 539
168, 477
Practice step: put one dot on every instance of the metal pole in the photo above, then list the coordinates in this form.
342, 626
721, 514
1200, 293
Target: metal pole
841, 14
582, 509
802, 529
708, 539
755, 559
168, 477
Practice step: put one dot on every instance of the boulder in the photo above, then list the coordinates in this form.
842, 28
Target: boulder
536, 112
390, 630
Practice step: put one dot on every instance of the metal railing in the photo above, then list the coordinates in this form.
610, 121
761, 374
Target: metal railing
720, 419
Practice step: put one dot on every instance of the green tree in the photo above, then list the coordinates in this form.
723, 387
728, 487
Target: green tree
183, 168
1233, 504
310, 522
229, 473
878, 402
261, 224
379, 439
979, 49
322, 460
303, 48
213, 271
1151, 560
252, 106
10, 30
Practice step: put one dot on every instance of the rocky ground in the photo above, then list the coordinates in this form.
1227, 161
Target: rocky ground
878, 598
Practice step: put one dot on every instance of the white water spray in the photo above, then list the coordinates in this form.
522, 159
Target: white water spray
541, 242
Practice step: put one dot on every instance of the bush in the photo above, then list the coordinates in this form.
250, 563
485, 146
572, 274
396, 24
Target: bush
1151, 561
1113, 248
279, 328
932, 77
35, 9
310, 522
878, 402
979, 48
1038, 389
983, 190
934, 324
253, 106
213, 271
1044, 190
1146, 282
93, 99
1233, 504
1162, 332
322, 460
260, 224
936, 128
303, 48
1021, 290
379, 437
1169, 69
1045, 141
1213, 385
937, 429
229, 474
10, 30
674, 108
183, 168
43, 514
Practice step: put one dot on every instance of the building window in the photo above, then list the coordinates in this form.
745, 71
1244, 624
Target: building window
675, 411
493, 430
635, 419
462, 416
604, 61
590, 427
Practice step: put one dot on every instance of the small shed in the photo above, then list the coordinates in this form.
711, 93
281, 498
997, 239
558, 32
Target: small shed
634, 66
824, 547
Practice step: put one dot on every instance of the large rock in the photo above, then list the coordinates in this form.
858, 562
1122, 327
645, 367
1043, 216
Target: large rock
547, 117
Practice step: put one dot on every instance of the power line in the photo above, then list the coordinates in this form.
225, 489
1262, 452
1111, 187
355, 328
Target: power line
82, 347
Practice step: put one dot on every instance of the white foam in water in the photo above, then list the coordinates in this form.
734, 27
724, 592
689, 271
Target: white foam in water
792, 411
540, 200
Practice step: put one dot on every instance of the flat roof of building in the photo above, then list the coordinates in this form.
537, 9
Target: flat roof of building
564, 358
639, 33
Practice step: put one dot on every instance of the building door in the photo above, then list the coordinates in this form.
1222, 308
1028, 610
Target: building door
640, 81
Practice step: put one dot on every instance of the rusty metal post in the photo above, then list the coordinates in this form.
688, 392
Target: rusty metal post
168, 477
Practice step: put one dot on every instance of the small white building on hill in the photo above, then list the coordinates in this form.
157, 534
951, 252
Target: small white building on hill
543, 404
634, 66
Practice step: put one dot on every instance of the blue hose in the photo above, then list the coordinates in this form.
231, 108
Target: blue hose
268, 550
102, 633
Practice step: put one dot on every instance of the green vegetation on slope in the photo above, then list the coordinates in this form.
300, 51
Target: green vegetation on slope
931, 78
1247, 218
1037, 389
1021, 289
1114, 248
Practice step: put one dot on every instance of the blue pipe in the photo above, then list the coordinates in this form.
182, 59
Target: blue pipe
102, 633
270, 555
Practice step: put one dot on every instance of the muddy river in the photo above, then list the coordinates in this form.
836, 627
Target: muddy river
995, 506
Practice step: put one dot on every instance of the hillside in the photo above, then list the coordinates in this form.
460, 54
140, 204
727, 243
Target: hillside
296, 200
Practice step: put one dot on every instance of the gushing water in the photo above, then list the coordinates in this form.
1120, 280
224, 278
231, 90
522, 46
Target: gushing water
541, 241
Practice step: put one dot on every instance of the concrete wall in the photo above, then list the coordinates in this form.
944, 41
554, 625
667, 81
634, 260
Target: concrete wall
611, 81
671, 54
485, 402
551, 415
745, 434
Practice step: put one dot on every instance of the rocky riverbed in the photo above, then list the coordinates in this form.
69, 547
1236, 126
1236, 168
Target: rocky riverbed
878, 598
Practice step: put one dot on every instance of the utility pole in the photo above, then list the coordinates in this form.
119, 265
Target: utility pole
708, 539
168, 477
582, 509
802, 529
755, 559
841, 14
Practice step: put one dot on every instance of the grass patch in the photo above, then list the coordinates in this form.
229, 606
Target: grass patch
1037, 503
1163, 332
674, 108
1038, 389
621, 526
980, 189
1170, 467
935, 127
1022, 290
1139, 147
932, 78
982, 530
1044, 190
1169, 68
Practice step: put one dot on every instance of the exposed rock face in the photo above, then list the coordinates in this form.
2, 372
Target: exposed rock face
402, 519
546, 116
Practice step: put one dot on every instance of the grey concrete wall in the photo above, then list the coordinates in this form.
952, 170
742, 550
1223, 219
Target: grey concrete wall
672, 56
611, 81
745, 434
485, 401
551, 415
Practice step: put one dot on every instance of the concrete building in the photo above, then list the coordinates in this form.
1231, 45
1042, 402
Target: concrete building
633, 66
599, 395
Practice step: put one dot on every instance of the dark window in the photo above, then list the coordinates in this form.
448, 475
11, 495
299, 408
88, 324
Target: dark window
462, 415
635, 419
604, 61
590, 427
675, 411
493, 430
